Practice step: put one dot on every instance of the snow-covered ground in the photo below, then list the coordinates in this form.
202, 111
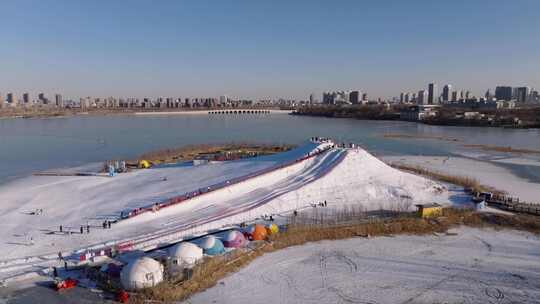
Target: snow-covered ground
474, 266
340, 176
485, 172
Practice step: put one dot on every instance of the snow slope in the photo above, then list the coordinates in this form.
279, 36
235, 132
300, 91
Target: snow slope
474, 266
340, 176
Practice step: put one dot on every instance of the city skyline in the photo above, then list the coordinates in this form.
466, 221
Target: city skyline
265, 50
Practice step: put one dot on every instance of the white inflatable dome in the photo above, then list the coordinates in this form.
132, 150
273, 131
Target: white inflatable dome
185, 253
141, 273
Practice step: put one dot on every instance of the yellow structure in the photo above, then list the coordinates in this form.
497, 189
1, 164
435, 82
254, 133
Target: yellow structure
429, 210
272, 229
144, 164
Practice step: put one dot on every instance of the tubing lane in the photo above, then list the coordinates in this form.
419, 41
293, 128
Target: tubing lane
192, 194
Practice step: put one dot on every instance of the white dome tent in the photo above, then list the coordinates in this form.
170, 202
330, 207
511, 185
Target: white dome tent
185, 254
141, 273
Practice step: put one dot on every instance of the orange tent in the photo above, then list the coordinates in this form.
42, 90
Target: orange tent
259, 233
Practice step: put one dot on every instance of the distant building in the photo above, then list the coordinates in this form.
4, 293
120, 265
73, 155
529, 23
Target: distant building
42, 99
454, 96
1, 100
339, 97
354, 97
503, 93
11, 99
446, 92
402, 97
364, 98
419, 112
26, 98
58, 100
433, 94
422, 97
522, 94
223, 99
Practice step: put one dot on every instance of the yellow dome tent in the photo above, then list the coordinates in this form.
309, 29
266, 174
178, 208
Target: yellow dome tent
272, 229
144, 164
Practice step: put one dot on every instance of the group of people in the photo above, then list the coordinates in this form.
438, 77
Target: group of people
319, 204
81, 230
106, 224
267, 217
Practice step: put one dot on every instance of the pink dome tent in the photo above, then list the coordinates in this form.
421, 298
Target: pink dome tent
234, 239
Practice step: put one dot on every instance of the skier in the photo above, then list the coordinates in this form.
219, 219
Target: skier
109, 224
65, 265
325, 204
55, 272
104, 225
60, 255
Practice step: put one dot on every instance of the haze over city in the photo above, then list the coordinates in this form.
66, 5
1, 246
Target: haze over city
259, 50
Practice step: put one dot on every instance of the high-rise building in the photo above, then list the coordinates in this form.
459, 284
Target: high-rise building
58, 100
223, 99
11, 99
407, 97
364, 97
401, 97
422, 97
446, 92
467, 94
26, 98
1, 100
354, 97
503, 93
455, 96
488, 94
42, 99
522, 94
433, 94
535, 96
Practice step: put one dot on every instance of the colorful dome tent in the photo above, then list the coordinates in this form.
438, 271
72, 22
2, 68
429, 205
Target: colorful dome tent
141, 273
212, 246
234, 239
272, 229
144, 164
256, 232
185, 254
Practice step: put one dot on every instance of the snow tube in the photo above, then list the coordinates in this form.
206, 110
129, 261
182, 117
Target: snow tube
212, 246
234, 239
272, 229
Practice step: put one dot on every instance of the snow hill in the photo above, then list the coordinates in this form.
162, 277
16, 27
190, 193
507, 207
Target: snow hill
339, 176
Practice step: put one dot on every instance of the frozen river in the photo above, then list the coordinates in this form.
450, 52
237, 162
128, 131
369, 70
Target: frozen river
30, 145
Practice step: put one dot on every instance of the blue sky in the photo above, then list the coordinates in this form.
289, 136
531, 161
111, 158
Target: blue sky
265, 48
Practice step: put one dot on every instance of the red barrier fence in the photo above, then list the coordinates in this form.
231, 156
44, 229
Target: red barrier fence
192, 194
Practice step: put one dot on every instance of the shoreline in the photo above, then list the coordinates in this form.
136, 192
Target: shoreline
68, 113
